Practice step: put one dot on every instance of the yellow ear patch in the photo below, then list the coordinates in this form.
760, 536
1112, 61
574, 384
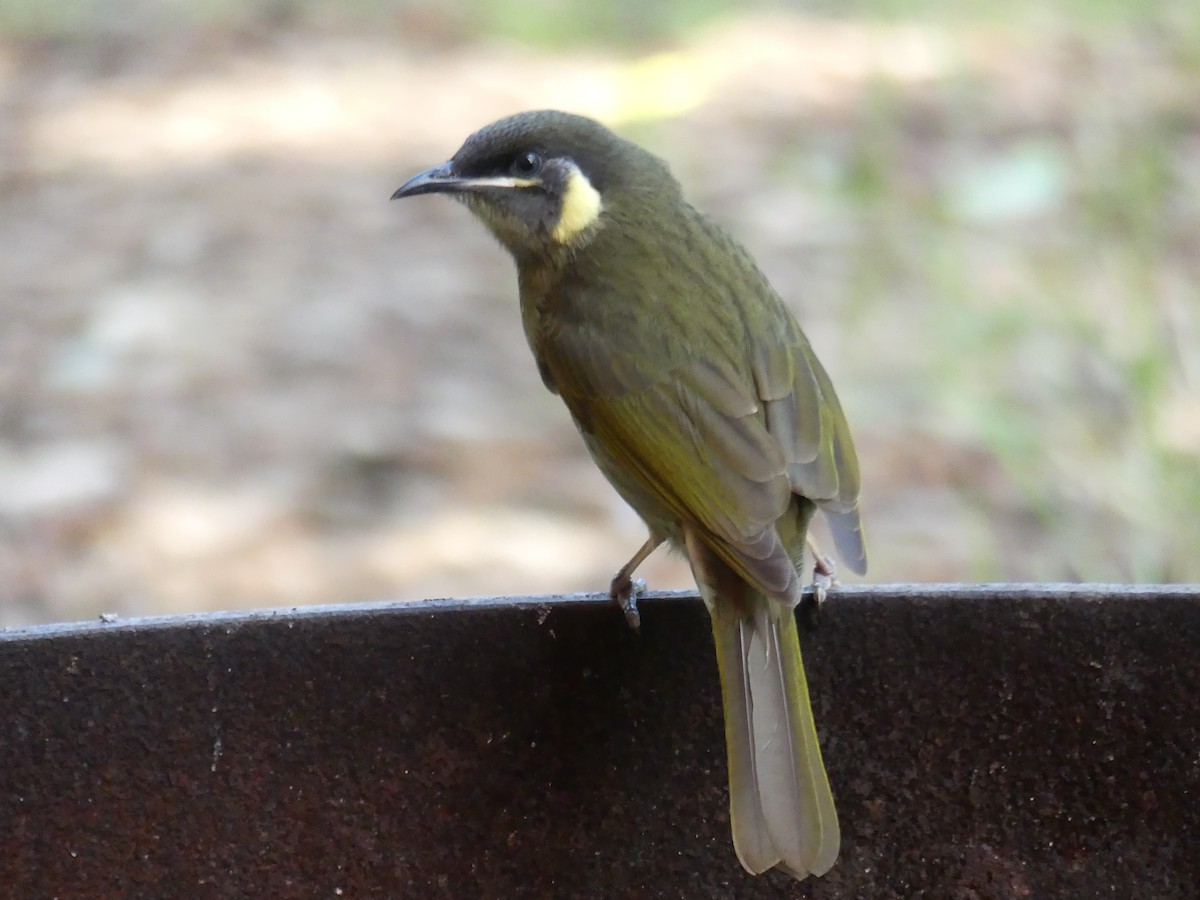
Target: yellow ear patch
581, 207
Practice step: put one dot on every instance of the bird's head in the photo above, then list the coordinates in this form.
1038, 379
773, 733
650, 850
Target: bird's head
546, 182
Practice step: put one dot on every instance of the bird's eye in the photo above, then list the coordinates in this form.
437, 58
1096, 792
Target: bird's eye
527, 164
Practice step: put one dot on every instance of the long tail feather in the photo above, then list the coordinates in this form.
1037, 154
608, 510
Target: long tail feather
781, 807
751, 838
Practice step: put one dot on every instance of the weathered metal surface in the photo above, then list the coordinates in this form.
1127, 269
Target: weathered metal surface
982, 742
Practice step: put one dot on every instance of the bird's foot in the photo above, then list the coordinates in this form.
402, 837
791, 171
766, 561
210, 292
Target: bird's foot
624, 593
824, 577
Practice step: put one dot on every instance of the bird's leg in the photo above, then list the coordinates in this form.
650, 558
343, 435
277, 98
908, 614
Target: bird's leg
824, 577
624, 590
824, 572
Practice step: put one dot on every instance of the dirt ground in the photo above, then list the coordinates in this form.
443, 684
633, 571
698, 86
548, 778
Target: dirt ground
232, 374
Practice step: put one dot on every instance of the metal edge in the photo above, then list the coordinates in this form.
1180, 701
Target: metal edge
887, 592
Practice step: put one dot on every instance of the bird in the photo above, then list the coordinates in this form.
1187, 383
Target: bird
701, 400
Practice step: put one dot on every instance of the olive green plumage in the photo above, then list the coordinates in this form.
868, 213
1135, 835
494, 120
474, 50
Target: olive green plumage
702, 402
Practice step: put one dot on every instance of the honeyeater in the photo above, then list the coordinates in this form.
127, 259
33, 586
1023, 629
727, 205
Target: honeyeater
701, 400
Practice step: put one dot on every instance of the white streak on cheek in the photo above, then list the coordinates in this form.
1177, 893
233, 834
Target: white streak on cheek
581, 208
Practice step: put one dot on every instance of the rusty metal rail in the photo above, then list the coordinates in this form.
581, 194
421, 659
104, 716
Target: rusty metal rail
982, 741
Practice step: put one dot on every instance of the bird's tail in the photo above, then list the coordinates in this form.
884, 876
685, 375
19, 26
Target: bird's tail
780, 804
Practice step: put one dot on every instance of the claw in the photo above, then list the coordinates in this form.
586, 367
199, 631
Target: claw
625, 590
624, 593
824, 577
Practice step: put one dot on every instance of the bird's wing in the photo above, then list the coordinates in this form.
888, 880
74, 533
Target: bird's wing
803, 413
721, 448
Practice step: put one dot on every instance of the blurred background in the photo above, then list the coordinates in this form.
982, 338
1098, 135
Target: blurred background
232, 374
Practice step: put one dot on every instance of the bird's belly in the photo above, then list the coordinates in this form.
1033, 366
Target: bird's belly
657, 517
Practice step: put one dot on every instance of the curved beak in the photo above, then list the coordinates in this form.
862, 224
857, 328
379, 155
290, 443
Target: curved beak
443, 180
439, 179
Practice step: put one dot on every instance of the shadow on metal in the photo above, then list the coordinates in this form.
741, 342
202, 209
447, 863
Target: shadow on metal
994, 741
